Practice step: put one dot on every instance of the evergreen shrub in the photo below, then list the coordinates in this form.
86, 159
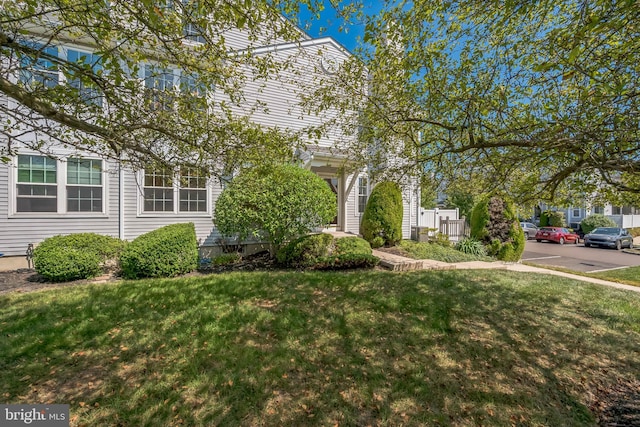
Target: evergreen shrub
75, 256
166, 252
382, 219
494, 223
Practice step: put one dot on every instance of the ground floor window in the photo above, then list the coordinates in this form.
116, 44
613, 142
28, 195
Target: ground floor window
166, 190
362, 194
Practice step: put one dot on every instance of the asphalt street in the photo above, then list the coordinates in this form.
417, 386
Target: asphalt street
577, 257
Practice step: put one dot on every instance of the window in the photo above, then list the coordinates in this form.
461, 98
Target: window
37, 189
576, 213
362, 194
598, 210
40, 71
158, 191
159, 84
194, 92
87, 92
616, 210
193, 191
84, 185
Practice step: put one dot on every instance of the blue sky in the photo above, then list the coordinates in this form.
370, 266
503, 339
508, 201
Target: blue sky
332, 25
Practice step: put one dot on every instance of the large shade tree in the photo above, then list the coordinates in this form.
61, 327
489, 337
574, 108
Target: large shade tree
542, 99
121, 98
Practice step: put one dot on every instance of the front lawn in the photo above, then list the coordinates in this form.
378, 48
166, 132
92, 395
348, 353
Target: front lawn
460, 348
629, 275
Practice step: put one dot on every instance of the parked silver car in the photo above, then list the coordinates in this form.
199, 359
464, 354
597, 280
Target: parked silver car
529, 229
611, 237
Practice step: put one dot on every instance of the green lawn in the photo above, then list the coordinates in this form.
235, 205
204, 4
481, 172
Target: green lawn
459, 348
630, 275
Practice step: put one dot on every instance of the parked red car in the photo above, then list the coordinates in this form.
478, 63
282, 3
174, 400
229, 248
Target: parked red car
556, 234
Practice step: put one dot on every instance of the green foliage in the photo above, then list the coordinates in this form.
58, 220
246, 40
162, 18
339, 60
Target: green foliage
494, 222
441, 239
592, 222
323, 252
352, 245
226, 259
552, 219
382, 220
274, 203
425, 250
165, 252
471, 246
75, 256
305, 251
635, 231
461, 199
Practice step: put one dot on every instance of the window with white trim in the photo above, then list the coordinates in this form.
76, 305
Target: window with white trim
159, 87
598, 210
362, 194
37, 184
89, 93
84, 185
576, 213
193, 191
158, 190
40, 71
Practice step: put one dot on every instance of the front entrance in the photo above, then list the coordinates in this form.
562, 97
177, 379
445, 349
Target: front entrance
333, 185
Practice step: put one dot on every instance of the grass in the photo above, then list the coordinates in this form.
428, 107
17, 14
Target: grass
423, 250
456, 348
627, 275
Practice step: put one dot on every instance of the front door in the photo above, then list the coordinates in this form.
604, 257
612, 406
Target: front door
333, 185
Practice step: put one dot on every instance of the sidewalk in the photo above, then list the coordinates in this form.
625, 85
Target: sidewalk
399, 263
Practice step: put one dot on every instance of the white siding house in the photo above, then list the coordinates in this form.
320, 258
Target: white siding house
80, 192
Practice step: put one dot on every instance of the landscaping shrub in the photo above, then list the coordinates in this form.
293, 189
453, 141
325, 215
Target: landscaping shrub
382, 219
471, 246
495, 224
592, 222
276, 204
635, 232
553, 219
165, 252
323, 252
75, 256
305, 251
226, 259
352, 245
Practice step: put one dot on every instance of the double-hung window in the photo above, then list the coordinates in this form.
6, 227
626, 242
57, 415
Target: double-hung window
158, 190
37, 186
181, 192
88, 92
362, 194
194, 92
84, 185
159, 84
42, 185
39, 71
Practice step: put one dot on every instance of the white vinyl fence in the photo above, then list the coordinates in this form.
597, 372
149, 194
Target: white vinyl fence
445, 221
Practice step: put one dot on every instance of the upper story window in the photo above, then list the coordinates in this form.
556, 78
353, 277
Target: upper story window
159, 83
598, 210
41, 184
194, 92
88, 92
362, 194
40, 71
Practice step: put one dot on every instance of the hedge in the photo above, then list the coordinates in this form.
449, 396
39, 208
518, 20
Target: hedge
166, 252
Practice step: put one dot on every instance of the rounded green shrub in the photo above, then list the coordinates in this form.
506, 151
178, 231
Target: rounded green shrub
165, 252
594, 221
75, 256
352, 245
276, 204
494, 223
382, 219
552, 219
305, 251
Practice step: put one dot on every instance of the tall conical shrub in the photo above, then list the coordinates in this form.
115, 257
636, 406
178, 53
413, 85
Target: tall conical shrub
382, 220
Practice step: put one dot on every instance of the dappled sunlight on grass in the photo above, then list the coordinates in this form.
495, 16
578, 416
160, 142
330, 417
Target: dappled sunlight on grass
424, 348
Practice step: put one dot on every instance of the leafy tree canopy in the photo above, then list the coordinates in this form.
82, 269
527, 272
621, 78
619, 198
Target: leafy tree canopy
140, 86
539, 99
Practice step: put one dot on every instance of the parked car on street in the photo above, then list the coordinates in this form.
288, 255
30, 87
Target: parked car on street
556, 234
529, 229
611, 237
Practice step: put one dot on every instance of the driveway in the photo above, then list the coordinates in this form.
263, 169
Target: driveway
577, 257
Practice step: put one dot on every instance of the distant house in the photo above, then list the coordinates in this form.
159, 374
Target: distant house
624, 216
81, 192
